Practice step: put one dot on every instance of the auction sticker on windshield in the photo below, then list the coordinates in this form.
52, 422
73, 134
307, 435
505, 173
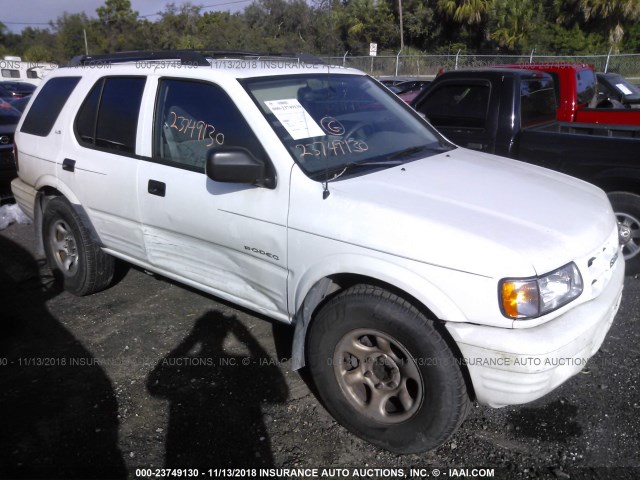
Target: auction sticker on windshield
294, 118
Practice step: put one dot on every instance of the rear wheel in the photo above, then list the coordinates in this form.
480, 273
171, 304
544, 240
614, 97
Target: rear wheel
72, 252
384, 372
627, 209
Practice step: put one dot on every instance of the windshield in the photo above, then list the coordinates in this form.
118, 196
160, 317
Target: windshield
331, 123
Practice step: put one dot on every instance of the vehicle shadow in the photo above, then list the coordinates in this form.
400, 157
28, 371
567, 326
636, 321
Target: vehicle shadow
217, 381
58, 409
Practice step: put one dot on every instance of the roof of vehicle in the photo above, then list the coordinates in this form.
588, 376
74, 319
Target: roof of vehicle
497, 72
555, 66
230, 63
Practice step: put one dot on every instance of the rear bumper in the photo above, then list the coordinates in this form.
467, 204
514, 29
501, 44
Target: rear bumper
25, 196
515, 366
7, 171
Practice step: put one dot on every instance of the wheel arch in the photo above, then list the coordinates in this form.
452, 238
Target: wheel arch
44, 195
619, 180
327, 280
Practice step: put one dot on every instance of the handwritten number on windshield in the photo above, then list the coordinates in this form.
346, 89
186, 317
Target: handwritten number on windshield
335, 148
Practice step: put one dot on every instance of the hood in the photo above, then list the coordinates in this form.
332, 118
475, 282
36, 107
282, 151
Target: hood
462, 210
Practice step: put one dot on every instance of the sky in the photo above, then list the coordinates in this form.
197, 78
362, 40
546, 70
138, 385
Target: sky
18, 14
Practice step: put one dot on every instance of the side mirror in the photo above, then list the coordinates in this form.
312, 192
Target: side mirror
237, 165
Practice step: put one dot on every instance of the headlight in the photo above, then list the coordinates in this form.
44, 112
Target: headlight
524, 298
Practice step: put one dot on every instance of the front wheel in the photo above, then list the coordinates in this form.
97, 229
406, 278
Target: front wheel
71, 251
627, 209
384, 372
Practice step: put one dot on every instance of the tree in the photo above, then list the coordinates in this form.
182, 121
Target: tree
70, 31
366, 21
117, 22
178, 27
469, 12
421, 27
614, 15
226, 31
466, 20
283, 25
512, 23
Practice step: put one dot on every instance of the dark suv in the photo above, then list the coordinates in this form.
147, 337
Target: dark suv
12, 90
9, 118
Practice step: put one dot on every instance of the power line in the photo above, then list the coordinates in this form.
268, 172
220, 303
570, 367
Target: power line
202, 7
24, 23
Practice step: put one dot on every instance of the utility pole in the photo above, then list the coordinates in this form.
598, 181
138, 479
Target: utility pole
401, 31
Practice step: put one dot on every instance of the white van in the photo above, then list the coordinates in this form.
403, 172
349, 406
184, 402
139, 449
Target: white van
14, 69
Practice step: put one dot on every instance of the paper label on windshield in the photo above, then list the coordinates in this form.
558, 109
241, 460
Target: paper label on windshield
623, 88
294, 118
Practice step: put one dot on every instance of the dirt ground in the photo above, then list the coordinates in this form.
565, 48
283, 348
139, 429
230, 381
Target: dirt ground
149, 375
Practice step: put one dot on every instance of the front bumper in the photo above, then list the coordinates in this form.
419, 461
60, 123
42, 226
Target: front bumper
514, 366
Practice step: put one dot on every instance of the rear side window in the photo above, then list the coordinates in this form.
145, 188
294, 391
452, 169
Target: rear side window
538, 100
452, 105
47, 105
10, 73
108, 118
587, 85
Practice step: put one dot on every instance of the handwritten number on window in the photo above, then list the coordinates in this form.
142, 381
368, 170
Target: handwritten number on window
204, 130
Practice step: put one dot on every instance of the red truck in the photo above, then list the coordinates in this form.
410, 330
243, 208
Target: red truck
577, 97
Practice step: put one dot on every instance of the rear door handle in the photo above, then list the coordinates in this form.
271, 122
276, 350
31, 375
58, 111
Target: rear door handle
157, 188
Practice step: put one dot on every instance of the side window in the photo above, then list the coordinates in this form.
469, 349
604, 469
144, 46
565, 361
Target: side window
108, 117
32, 74
586, 85
193, 117
10, 73
47, 105
452, 105
556, 87
537, 100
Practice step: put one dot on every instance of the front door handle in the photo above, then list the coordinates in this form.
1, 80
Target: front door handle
157, 188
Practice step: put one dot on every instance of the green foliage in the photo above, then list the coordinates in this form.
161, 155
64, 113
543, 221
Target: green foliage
116, 23
512, 23
333, 27
568, 41
368, 21
70, 31
612, 17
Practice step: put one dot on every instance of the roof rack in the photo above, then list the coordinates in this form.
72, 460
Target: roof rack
191, 57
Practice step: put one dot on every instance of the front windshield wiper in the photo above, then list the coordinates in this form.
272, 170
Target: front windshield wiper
407, 152
413, 150
356, 165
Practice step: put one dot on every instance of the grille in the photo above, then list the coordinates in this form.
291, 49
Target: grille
600, 264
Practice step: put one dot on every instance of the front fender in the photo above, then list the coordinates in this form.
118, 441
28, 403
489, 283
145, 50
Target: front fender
316, 283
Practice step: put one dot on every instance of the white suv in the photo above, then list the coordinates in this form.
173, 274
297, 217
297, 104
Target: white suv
418, 275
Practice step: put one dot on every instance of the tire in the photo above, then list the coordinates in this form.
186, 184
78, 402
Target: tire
627, 209
72, 253
384, 372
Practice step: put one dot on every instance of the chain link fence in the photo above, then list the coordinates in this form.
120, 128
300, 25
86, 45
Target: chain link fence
428, 66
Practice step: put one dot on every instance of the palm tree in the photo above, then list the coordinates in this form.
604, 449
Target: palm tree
469, 12
513, 21
615, 14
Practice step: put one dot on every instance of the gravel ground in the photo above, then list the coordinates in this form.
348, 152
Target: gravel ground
149, 374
